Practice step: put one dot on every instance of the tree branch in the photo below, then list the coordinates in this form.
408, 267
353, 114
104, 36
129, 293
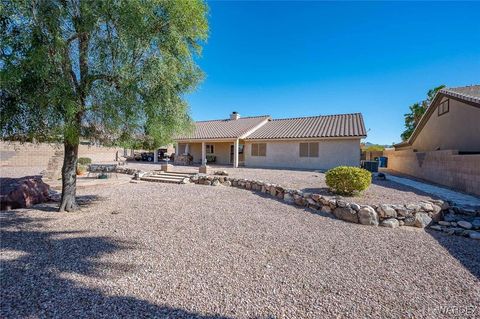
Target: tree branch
114, 80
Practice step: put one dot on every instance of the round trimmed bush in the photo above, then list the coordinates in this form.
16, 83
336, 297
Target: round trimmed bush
348, 180
84, 160
81, 169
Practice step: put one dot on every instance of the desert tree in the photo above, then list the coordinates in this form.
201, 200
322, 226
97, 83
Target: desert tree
107, 70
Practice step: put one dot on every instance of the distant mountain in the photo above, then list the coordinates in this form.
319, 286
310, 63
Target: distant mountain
368, 144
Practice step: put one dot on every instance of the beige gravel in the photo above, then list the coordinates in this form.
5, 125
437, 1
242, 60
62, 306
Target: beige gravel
380, 192
190, 251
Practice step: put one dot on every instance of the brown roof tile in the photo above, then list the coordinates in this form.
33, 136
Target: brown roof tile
223, 129
341, 125
469, 93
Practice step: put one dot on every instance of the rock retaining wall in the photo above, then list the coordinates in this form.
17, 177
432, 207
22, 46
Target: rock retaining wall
435, 214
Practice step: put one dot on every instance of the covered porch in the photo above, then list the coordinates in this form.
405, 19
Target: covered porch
203, 152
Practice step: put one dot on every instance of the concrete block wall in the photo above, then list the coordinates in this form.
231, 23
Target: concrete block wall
49, 157
461, 172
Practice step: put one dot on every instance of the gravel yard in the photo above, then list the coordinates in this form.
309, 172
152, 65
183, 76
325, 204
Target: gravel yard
181, 251
380, 192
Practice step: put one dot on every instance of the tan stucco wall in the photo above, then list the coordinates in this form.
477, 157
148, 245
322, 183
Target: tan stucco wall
285, 154
459, 129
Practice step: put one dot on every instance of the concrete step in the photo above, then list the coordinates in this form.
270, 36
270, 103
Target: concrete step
172, 174
163, 179
180, 174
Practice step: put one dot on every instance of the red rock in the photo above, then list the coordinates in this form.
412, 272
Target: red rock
23, 192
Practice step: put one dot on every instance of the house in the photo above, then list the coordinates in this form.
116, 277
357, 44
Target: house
445, 146
451, 122
317, 142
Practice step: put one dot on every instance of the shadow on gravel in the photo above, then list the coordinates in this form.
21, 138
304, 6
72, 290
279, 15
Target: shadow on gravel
31, 283
466, 251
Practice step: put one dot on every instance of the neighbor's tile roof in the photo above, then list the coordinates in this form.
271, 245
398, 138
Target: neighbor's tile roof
223, 129
469, 93
341, 125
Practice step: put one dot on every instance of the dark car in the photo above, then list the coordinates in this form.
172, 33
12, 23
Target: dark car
147, 156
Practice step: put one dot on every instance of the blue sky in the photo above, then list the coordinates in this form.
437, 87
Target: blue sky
290, 59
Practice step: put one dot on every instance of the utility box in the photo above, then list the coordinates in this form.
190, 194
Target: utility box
371, 166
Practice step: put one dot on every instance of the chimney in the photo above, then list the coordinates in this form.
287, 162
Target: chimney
234, 116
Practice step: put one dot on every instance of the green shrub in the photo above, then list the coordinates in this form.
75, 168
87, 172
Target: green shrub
81, 169
348, 180
211, 158
84, 161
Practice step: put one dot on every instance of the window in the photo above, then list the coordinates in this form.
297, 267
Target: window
444, 107
259, 149
209, 148
309, 149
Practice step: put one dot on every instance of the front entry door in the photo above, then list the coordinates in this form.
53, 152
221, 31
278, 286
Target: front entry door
231, 153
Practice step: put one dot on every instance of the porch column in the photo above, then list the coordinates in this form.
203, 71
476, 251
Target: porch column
204, 154
177, 149
187, 149
235, 154
155, 156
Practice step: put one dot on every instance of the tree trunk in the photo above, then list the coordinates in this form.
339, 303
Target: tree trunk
69, 178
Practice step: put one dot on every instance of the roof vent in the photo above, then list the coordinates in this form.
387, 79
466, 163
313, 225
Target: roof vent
234, 116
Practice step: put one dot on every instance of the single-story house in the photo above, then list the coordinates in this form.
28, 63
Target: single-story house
445, 146
316, 142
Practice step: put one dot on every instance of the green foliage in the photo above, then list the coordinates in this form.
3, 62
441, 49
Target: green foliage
372, 148
211, 158
348, 180
84, 160
416, 112
113, 71
81, 169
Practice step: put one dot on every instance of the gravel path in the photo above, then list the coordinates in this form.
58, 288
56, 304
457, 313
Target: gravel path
380, 192
141, 250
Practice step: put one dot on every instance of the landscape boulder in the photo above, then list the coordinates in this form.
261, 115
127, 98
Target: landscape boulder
347, 214
386, 211
390, 223
288, 198
367, 216
465, 224
422, 220
23, 192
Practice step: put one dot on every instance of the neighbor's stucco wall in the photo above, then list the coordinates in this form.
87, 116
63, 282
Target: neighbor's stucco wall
459, 129
286, 154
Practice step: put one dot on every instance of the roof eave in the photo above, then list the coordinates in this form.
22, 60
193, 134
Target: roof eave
306, 138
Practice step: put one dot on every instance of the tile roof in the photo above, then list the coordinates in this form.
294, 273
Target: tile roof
223, 129
341, 125
469, 93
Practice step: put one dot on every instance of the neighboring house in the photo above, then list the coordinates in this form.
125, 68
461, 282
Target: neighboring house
318, 142
451, 122
445, 146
